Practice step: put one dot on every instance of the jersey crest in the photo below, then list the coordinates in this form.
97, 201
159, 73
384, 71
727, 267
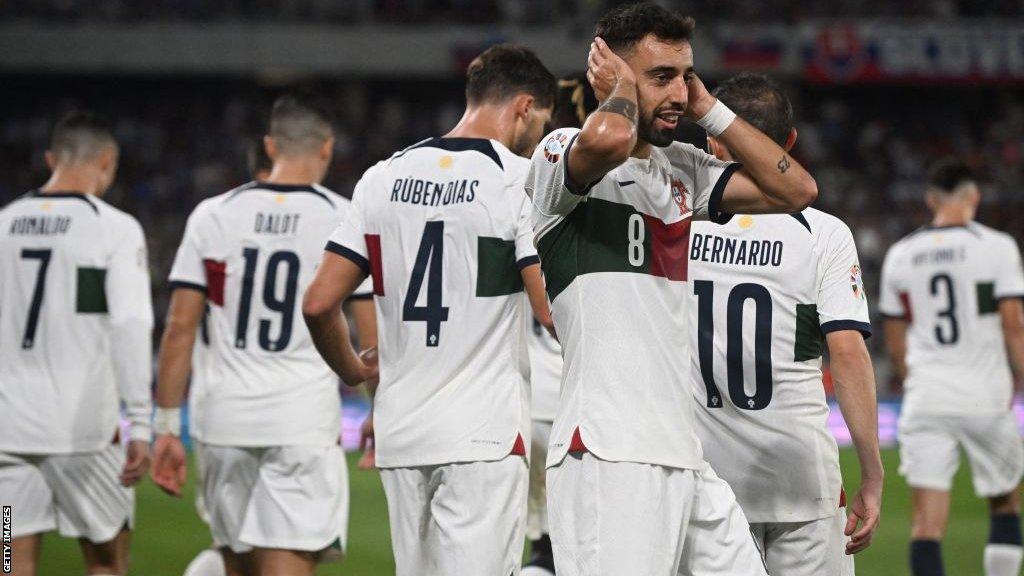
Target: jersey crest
857, 282
679, 194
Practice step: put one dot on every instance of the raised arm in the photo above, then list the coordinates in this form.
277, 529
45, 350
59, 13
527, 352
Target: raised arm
854, 379
609, 134
336, 278
771, 181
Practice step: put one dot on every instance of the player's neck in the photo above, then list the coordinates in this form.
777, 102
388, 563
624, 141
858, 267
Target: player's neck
486, 122
299, 172
64, 180
642, 150
952, 215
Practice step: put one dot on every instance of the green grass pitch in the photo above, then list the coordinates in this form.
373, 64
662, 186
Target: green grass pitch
169, 534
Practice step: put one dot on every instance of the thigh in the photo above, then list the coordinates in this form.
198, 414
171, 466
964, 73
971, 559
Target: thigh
477, 517
299, 501
614, 518
408, 492
929, 452
229, 476
24, 488
90, 500
718, 538
994, 450
808, 548
537, 510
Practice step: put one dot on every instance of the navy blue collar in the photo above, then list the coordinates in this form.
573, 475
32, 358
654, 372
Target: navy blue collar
455, 144
63, 194
283, 189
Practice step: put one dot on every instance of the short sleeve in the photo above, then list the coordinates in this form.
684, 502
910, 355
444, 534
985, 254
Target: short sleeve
127, 280
349, 239
890, 302
702, 178
1009, 273
548, 183
188, 270
842, 303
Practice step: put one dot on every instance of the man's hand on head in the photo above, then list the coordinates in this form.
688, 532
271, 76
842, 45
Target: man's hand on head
605, 70
700, 100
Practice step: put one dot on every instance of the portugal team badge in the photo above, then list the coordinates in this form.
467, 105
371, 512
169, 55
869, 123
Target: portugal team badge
554, 147
679, 194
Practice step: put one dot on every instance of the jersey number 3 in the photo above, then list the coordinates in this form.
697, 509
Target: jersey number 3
429, 267
705, 291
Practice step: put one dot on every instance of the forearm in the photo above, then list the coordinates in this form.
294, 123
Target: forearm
784, 184
854, 381
174, 365
1015, 349
133, 365
608, 137
896, 345
533, 281
330, 335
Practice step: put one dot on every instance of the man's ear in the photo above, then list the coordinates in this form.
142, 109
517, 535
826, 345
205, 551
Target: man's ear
931, 200
51, 160
271, 147
522, 105
327, 148
790, 140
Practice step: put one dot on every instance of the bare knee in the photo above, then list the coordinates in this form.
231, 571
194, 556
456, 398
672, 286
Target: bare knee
107, 557
1004, 504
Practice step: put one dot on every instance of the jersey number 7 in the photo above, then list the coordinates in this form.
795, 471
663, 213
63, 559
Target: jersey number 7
29, 339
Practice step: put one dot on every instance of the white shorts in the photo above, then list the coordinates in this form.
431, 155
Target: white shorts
78, 494
462, 518
284, 497
810, 548
537, 501
929, 451
615, 518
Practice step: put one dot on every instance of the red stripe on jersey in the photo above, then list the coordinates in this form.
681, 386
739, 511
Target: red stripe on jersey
905, 300
576, 444
670, 248
215, 272
519, 448
376, 265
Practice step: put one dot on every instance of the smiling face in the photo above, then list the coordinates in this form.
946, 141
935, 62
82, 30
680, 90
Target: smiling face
662, 69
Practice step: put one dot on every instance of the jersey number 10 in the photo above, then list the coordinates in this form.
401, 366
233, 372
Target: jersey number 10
705, 291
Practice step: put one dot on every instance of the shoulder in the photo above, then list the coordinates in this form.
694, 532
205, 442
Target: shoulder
992, 235
824, 224
553, 146
681, 153
339, 202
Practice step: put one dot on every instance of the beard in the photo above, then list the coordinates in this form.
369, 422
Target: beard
652, 135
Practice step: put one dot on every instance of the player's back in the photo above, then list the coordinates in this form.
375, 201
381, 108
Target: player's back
57, 386
253, 251
947, 282
765, 290
445, 224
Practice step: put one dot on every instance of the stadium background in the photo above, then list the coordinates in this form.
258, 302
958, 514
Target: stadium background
880, 89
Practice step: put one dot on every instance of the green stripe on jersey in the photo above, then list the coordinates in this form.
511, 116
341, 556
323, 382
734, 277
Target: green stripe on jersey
809, 344
594, 237
497, 274
987, 298
91, 295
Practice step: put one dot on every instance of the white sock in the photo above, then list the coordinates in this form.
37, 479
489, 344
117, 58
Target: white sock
1003, 559
208, 563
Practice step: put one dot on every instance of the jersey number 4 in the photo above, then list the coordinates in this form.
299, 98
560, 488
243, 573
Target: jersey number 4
28, 340
705, 291
429, 267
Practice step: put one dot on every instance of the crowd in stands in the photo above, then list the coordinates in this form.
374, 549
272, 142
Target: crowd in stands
480, 11
184, 140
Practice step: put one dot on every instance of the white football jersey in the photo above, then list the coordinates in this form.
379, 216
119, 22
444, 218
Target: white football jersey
947, 282
765, 291
545, 369
615, 262
253, 251
443, 229
76, 324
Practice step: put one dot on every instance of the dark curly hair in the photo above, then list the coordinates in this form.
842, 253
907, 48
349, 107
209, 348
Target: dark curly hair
503, 71
623, 26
